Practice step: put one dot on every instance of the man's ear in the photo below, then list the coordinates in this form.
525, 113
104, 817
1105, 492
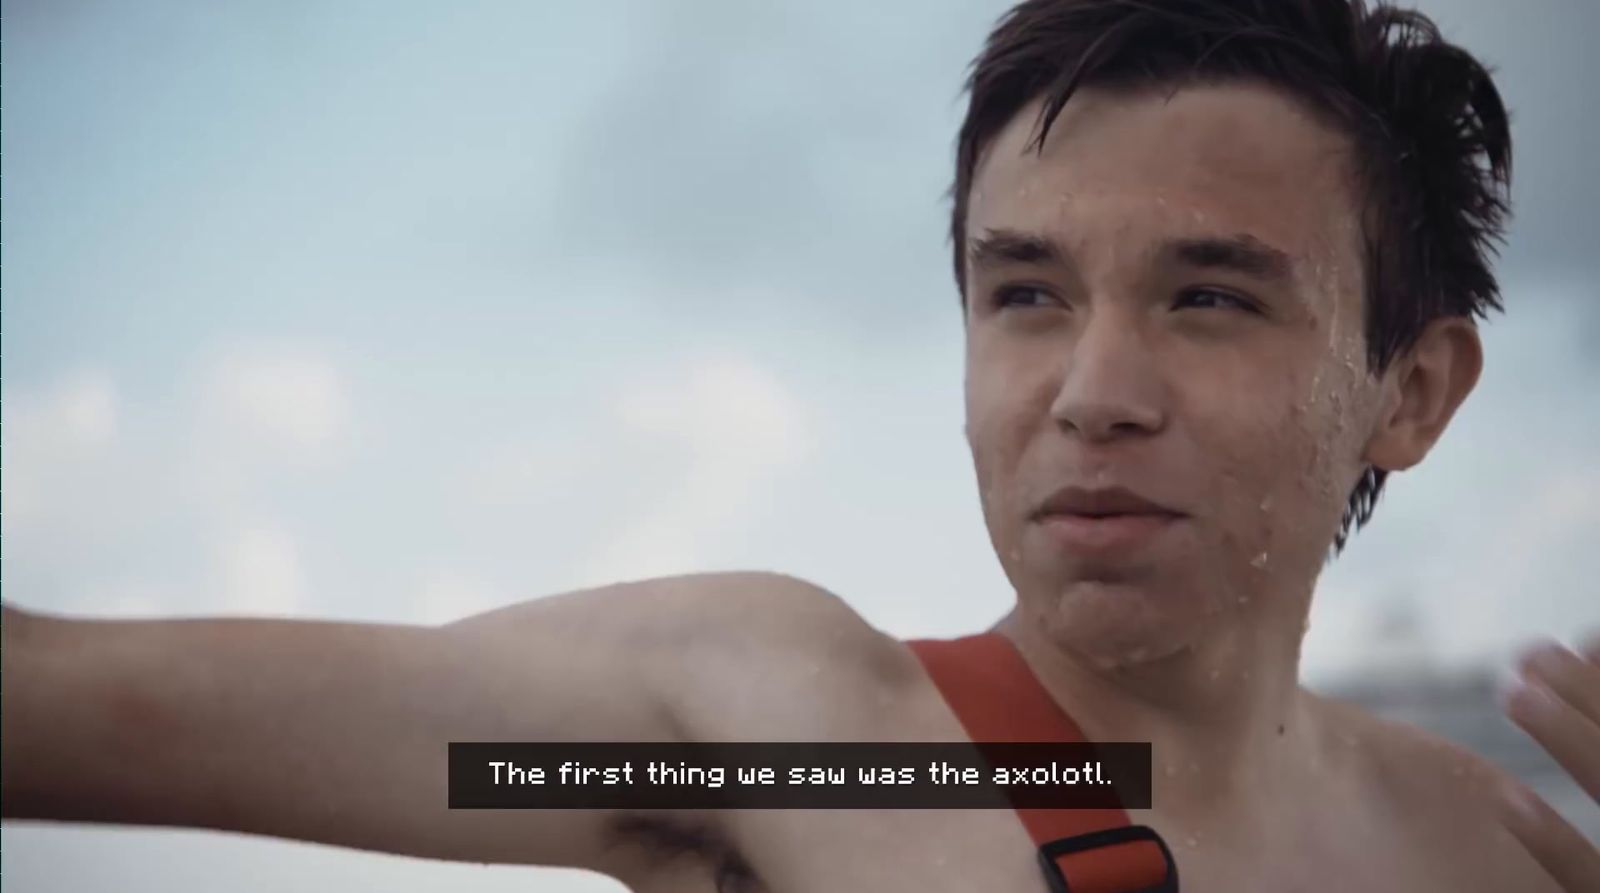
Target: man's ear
1422, 390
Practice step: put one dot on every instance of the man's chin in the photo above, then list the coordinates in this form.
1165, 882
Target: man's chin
1121, 623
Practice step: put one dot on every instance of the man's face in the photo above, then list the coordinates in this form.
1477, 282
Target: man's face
1166, 300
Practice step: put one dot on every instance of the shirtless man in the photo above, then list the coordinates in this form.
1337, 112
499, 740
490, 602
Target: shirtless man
1204, 316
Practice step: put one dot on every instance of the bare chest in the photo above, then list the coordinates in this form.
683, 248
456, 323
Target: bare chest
1338, 847
936, 851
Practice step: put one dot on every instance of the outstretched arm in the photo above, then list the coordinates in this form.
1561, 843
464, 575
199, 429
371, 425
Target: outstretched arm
337, 732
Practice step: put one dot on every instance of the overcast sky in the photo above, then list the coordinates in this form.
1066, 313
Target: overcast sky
399, 311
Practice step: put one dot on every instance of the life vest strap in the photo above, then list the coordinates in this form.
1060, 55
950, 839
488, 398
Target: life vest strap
998, 699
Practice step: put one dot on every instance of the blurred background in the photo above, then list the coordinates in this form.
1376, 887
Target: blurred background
401, 311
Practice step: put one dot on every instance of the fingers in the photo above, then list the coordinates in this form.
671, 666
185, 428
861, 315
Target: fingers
1590, 649
1557, 700
1573, 676
1564, 853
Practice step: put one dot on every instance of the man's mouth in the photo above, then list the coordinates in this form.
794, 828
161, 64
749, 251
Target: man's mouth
1101, 502
1102, 533
1102, 520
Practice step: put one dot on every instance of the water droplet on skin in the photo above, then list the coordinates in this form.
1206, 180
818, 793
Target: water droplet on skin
1259, 561
1266, 503
1192, 841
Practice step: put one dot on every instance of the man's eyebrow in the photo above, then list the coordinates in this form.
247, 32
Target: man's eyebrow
1242, 253
998, 247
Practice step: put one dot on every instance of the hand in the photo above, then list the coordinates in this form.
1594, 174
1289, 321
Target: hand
1557, 701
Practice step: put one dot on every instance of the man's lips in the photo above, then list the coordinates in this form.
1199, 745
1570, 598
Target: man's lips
1101, 502
1105, 533
1101, 520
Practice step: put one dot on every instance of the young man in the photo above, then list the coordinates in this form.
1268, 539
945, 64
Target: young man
1220, 263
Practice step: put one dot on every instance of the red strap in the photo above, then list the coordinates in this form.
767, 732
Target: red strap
997, 697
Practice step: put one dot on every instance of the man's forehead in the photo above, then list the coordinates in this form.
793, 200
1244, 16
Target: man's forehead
1234, 158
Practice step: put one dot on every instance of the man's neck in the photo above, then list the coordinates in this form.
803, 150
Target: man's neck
1225, 717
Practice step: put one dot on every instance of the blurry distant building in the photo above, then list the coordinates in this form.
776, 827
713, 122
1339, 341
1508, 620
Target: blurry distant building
1402, 681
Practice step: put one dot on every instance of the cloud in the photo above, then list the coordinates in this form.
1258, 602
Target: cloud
289, 398
261, 574
738, 426
51, 434
131, 598
79, 412
451, 595
725, 408
106, 492
520, 472
262, 411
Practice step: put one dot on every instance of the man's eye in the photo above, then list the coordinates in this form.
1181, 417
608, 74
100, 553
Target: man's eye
1022, 296
1206, 298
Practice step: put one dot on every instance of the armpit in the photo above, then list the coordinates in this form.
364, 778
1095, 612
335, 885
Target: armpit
659, 842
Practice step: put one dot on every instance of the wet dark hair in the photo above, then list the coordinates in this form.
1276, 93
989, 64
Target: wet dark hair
1429, 133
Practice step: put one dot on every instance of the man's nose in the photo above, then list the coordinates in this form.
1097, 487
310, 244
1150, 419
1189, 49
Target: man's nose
1111, 385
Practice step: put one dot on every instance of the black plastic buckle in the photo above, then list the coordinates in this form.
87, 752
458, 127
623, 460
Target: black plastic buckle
1048, 853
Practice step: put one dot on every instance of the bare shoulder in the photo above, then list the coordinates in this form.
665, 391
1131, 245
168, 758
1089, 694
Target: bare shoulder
718, 656
774, 657
715, 612
1439, 800
738, 614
